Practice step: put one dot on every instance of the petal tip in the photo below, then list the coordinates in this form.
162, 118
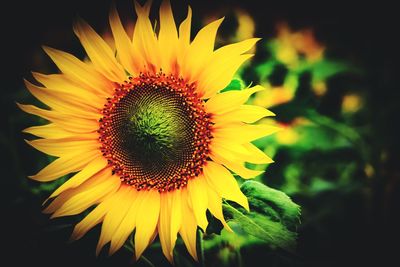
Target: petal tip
33, 177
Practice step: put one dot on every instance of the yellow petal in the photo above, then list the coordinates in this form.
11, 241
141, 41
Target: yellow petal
90, 170
59, 84
257, 156
230, 50
242, 152
200, 51
80, 72
243, 133
215, 207
65, 104
223, 64
65, 165
184, 36
221, 76
224, 183
235, 164
205, 38
81, 201
245, 113
99, 52
197, 189
127, 224
115, 216
188, 228
59, 201
167, 37
64, 146
72, 124
146, 224
232, 148
230, 100
94, 217
144, 38
126, 52
169, 221
50, 131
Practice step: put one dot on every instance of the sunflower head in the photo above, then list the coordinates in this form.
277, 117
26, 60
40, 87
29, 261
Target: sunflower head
152, 142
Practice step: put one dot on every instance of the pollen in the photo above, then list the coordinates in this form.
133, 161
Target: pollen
155, 132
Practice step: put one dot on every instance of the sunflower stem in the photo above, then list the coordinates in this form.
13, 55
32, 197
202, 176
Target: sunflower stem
200, 246
147, 261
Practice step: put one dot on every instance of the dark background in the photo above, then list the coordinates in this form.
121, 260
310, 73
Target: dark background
362, 33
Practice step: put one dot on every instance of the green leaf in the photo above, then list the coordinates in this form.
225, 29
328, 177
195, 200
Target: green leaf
273, 216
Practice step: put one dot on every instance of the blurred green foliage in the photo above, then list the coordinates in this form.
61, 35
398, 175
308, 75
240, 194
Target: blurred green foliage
315, 153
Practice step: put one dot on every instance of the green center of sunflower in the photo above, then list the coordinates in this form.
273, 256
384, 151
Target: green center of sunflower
155, 133
154, 129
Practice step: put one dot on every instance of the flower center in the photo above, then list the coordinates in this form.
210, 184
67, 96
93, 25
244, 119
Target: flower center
155, 132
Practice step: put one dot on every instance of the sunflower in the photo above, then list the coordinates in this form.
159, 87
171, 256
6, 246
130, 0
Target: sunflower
148, 137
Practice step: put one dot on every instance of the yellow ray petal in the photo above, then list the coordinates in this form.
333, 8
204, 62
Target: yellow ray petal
223, 64
258, 156
64, 165
205, 38
115, 216
65, 104
164, 225
81, 201
184, 36
245, 113
235, 164
59, 84
197, 189
50, 131
230, 100
127, 54
219, 178
143, 11
59, 201
238, 48
144, 38
215, 207
72, 124
189, 226
221, 76
241, 152
80, 72
94, 217
200, 51
176, 218
169, 221
231, 148
243, 133
99, 52
146, 224
167, 37
65, 146
90, 170
127, 224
